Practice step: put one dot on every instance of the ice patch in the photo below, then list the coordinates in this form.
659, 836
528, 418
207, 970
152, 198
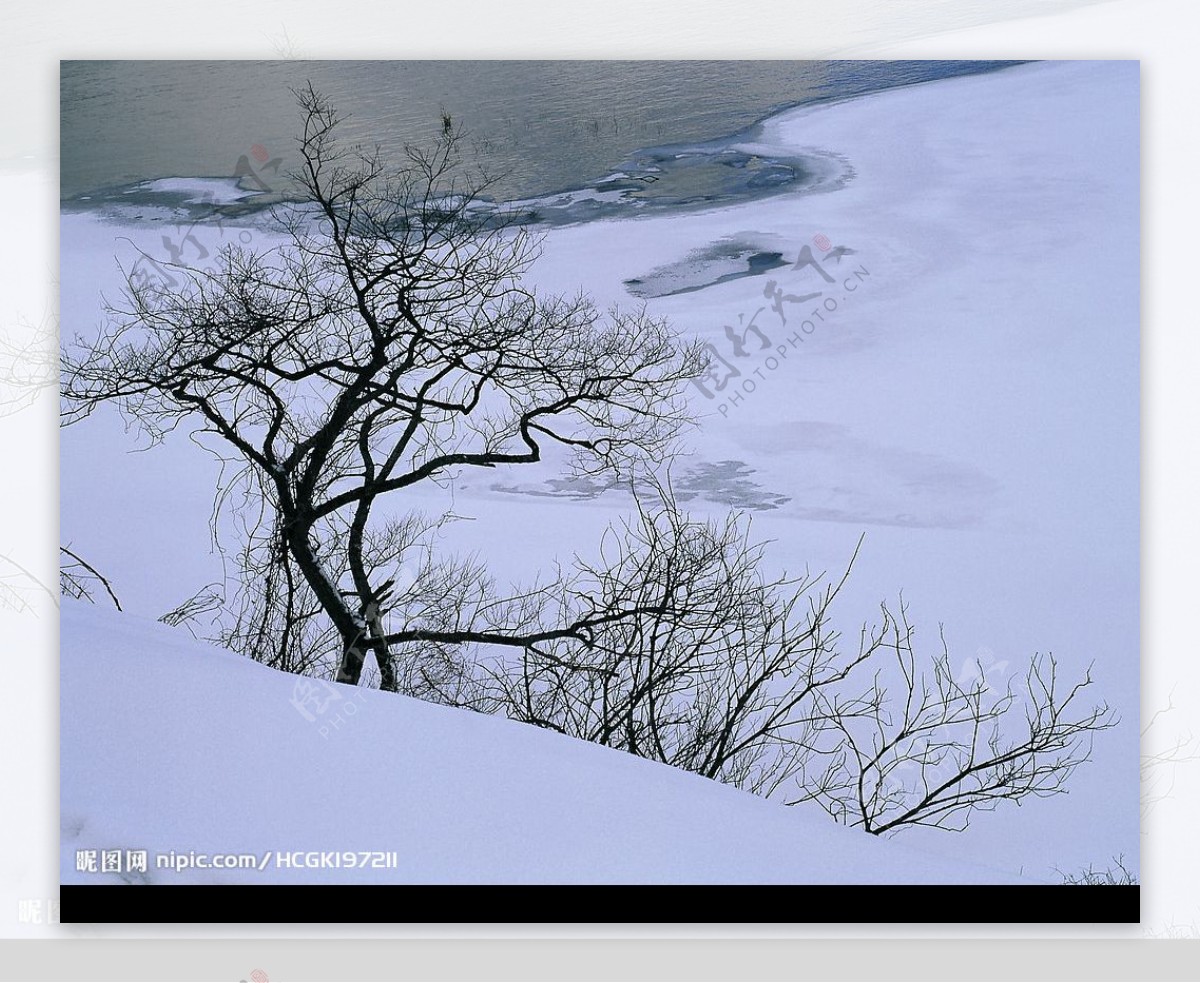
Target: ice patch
199, 190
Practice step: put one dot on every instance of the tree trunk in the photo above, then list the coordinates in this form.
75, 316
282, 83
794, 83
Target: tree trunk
353, 656
369, 637
383, 657
353, 629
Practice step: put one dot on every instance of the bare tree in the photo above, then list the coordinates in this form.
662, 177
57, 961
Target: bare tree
710, 667
389, 341
715, 669
922, 747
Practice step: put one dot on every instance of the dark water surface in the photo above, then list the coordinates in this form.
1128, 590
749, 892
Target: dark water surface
543, 125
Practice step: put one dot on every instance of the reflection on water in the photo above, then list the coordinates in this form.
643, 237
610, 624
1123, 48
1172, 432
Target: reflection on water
540, 125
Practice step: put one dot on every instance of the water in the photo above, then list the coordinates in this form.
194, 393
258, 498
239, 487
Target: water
542, 126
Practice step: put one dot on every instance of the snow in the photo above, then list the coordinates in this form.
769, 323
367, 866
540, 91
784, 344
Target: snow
173, 745
213, 191
972, 406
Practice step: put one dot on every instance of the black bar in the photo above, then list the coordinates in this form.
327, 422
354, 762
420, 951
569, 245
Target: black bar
606, 903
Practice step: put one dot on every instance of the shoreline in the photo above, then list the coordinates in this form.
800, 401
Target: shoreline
615, 195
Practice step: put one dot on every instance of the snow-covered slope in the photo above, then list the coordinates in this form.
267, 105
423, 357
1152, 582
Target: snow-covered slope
172, 745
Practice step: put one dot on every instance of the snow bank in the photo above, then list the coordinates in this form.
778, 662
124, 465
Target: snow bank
172, 745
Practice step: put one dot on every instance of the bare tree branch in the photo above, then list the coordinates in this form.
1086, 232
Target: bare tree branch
77, 578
